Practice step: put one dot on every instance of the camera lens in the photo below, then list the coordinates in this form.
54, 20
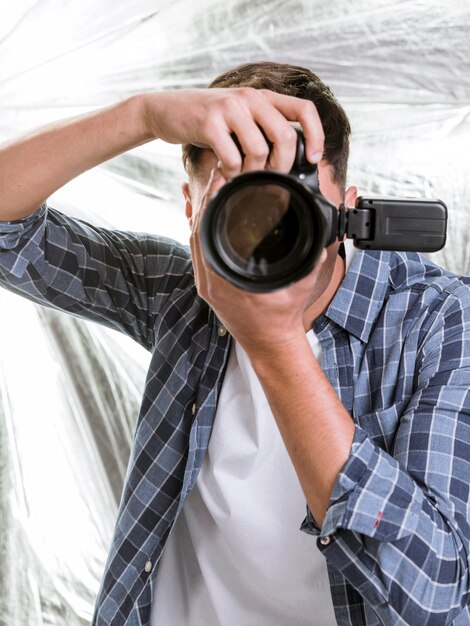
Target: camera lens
260, 232
263, 231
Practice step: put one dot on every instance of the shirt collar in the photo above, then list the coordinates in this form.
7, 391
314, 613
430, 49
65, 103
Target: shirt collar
361, 295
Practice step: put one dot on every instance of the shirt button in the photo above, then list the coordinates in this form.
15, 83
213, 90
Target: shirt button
148, 566
325, 541
222, 331
193, 408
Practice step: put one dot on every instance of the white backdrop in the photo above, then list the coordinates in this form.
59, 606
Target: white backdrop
69, 391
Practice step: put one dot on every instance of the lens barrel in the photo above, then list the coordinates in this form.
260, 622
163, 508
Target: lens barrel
264, 230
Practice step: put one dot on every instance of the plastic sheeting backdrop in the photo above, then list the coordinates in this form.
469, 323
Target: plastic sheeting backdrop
69, 390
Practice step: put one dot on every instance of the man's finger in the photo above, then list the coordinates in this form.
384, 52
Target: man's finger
216, 181
304, 112
251, 141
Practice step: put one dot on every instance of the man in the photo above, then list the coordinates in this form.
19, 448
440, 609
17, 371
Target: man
347, 390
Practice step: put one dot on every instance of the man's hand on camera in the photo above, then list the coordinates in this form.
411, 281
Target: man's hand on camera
208, 117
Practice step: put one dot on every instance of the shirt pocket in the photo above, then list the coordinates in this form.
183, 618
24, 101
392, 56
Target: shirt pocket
382, 425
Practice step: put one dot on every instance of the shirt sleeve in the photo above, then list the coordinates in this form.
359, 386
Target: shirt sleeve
397, 526
116, 278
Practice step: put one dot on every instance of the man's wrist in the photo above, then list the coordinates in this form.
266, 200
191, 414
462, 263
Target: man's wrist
280, 352
154, 107
138, 111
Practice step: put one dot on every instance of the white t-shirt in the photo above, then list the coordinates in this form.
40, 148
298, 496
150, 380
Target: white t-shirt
236, 556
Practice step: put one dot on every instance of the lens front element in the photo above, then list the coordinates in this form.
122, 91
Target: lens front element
262, 231
258, 231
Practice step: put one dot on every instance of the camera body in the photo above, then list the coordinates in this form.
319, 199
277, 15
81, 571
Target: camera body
264, 230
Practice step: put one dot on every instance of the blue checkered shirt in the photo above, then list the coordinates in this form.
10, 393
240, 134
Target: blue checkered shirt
396, 348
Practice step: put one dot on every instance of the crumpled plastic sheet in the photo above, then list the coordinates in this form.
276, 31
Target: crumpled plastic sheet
69, 395
70, 390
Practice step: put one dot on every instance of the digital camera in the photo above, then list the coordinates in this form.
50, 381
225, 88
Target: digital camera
264, 230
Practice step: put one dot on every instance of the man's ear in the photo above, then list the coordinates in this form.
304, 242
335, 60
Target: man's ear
188, 209
350, 197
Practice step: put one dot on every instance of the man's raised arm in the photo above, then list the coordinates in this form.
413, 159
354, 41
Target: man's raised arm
36, 165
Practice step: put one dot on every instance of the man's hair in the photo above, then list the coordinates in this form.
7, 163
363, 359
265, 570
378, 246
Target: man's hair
296, 81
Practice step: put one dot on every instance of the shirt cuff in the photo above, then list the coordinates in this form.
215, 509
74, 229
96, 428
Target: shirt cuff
372, 495
20, 241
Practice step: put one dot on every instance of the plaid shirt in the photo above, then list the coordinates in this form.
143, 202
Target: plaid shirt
396, 348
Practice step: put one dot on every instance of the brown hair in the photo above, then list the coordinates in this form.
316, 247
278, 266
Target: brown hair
296, 81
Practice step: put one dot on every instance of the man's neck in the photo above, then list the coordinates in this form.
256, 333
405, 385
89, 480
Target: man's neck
321, 304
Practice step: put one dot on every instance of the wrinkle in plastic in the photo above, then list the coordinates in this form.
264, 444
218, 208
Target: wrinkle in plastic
70, 390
